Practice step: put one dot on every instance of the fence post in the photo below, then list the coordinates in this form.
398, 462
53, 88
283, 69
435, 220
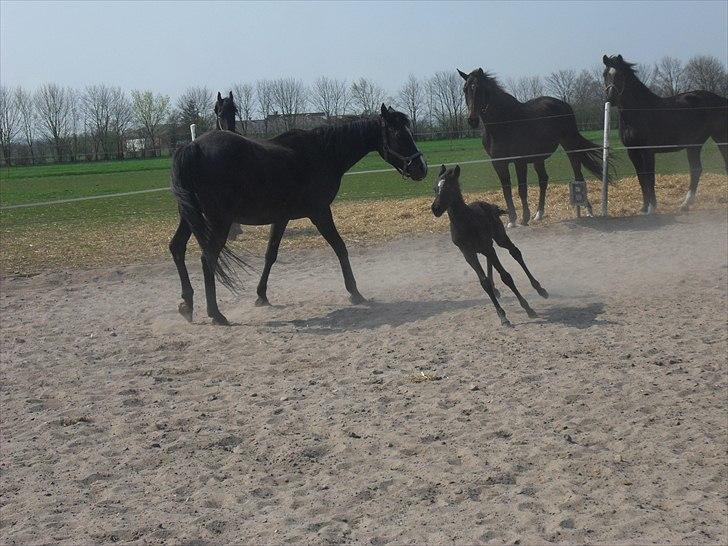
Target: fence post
605, 162
193, 131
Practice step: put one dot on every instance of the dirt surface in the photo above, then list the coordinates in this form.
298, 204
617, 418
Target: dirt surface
417, 419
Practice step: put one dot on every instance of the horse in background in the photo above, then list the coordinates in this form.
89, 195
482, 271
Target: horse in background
650, 124
526, 132
225, 111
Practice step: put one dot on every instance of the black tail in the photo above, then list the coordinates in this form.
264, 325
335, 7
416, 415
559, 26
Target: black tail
184, 177
590, 156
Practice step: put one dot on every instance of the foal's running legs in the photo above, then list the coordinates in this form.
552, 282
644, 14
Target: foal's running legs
324, 222
485, 282
271, 254
508, 280
505, 242
178, 246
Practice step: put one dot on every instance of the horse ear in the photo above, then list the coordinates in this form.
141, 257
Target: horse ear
620, 59
457, 170
480, 71
231, 95
219, 96
442, 170
384, 111
463, 75
605, 60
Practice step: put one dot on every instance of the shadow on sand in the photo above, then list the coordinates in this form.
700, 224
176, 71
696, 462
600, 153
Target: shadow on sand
581, 317
374, 315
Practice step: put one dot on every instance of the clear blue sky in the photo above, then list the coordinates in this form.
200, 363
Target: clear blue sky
166, 46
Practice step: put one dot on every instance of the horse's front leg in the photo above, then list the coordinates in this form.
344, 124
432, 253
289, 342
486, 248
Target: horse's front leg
501, 169
638, 161
324, 222
271, 254
696, 168
522, 176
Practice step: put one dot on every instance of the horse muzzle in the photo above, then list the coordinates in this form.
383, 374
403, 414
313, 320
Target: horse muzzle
416, 168
437, 210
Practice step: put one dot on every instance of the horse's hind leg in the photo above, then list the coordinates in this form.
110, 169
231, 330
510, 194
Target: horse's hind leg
501, 169
543, 183
486, 283
505, 242
508, 281
522, 176
696, 169
271, 254
178, 246
578, 175
324, 222
209, 259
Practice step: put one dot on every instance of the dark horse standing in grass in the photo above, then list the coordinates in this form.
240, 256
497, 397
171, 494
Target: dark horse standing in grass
223, 177
532, 130
653, 124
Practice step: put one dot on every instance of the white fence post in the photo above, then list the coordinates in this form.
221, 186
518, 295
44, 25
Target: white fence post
605, 162
193, 131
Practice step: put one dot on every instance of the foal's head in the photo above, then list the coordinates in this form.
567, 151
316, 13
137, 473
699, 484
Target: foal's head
477, 94
446, 189
225, 111
616, 73
398, 145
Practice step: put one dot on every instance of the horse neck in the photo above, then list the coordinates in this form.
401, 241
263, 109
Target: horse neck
457, 205
347, 144
500, 104
636, 94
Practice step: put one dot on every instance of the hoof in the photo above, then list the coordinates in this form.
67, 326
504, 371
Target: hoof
219, 319
531, 313
262, 302
185, 310
511, 224
357, 299
538, 217
542, 292
524, 222
684, 207
506, 323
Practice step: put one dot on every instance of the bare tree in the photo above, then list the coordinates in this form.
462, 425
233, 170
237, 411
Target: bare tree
122, 115
561, 84
196, 105
526, 88
588, 90
330, 96
412, 99
10, 121
96, 102
367, 97
448, 102
264, 97
669, 76
707, 73
24, 100
53, 105
75, 112
150, 111
289, 97
244, 100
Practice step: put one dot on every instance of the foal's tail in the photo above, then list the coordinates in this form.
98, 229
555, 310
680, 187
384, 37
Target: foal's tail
185, 163
589, 153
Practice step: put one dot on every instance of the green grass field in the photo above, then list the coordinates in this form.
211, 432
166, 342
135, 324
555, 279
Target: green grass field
20, 185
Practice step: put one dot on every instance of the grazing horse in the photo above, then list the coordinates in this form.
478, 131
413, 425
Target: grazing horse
223, 177
473, 229
225, 111
650, 124
526, 132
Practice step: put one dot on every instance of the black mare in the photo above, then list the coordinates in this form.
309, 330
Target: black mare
223, 177
532, 130
654, 124
473, 228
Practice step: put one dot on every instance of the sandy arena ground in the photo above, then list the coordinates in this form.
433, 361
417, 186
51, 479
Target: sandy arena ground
417, 419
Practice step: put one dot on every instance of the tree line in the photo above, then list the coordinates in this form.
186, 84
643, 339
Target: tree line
105, 122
